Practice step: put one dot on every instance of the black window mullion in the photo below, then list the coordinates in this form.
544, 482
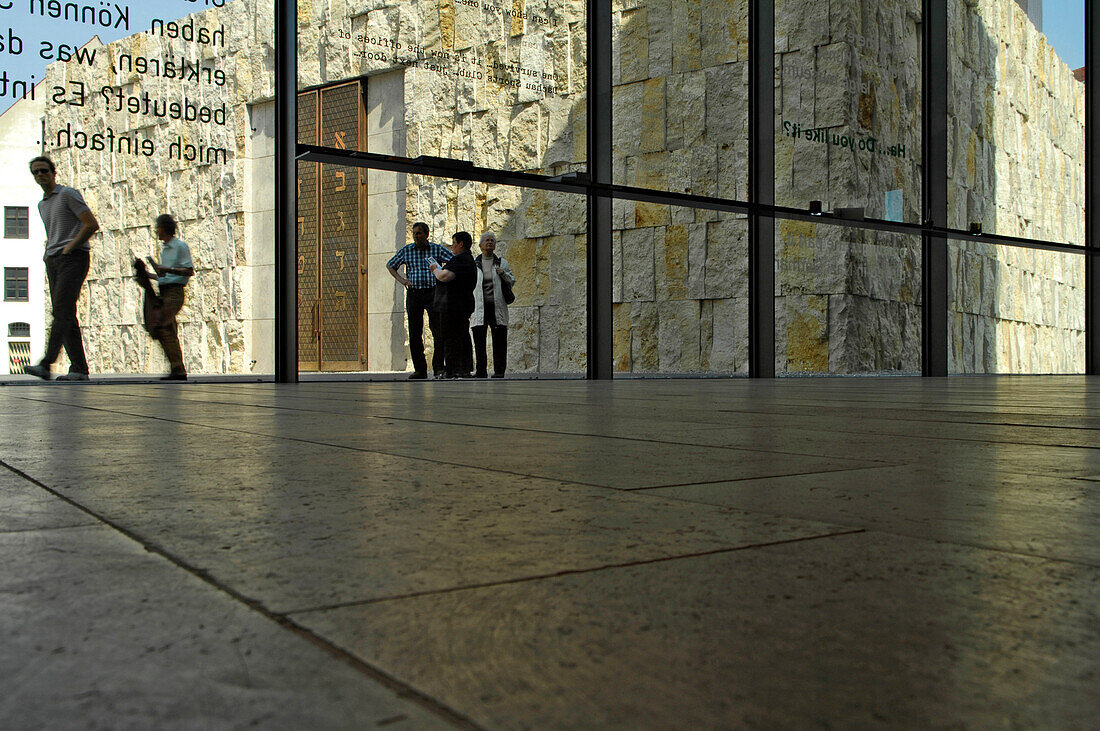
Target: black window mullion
600, 358
761, 189
1092, 190
934, 304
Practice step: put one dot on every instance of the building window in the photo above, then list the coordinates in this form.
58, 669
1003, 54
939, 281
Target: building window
19, 330
16, 222
15, 284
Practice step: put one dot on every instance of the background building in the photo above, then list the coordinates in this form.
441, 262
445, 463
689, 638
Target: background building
25, 301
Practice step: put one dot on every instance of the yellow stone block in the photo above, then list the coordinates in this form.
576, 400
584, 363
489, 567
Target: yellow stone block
650, 214
634, 45
621, 338
676, 262
653, 115
807, 346
447, 23
517, 17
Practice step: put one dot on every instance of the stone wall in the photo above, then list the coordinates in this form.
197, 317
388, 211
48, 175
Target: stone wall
848, 300
221, 207
1016, 117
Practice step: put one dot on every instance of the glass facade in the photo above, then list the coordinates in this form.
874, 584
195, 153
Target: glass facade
491, 116
162, 108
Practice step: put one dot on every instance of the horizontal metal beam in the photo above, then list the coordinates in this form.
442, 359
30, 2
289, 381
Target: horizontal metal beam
579, 184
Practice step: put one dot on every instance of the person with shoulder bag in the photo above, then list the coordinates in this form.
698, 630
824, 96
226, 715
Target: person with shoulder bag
492, 295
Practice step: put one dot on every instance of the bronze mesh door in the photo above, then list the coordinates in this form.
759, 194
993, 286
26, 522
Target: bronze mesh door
340, 215
309, 314
331, 332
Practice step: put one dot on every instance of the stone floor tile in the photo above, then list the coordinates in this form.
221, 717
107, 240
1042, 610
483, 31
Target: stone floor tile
855, 631
97, 633
1033, 514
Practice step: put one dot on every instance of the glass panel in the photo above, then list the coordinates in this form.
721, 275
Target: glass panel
160, 110
1016, 310
847, 301
1016, 116
680, 80
540, 235
848, 107
498, 84
680, 290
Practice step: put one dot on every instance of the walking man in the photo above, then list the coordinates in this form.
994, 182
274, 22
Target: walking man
173, 270
69, 227
419, 295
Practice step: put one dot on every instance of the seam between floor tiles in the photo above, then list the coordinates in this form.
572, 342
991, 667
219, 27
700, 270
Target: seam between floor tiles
47, 529
573, 572
883, 466
398, 687
862, 527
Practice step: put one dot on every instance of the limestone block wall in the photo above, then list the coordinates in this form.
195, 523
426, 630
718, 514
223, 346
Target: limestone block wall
1016, 149
221, 216
680, 124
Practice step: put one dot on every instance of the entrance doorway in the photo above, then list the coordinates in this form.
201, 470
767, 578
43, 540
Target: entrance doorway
332, 282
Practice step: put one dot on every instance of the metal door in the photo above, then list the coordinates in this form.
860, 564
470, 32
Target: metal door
331, 333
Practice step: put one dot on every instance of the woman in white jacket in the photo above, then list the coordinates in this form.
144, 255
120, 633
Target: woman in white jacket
490, 309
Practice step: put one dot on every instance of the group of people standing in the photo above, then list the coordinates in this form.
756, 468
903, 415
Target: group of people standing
459, 294
70, 225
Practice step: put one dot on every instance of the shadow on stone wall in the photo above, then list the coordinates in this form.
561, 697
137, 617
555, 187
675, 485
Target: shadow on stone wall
1016, 167
848, 134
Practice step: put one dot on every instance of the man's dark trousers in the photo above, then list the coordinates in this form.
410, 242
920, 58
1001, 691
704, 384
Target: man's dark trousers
456, 335
417, 302
66, 273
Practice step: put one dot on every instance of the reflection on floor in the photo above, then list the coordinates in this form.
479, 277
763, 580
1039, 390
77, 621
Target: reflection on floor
662, 554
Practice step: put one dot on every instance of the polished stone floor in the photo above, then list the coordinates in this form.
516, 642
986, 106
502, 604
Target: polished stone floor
802, 553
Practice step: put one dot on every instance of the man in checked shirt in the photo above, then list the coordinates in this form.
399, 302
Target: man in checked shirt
419, 285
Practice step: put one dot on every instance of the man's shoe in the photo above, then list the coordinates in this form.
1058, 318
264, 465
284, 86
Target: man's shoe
418, 377
440, 375
42, 372
73, 376
498, 375
480, 375
174, 377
